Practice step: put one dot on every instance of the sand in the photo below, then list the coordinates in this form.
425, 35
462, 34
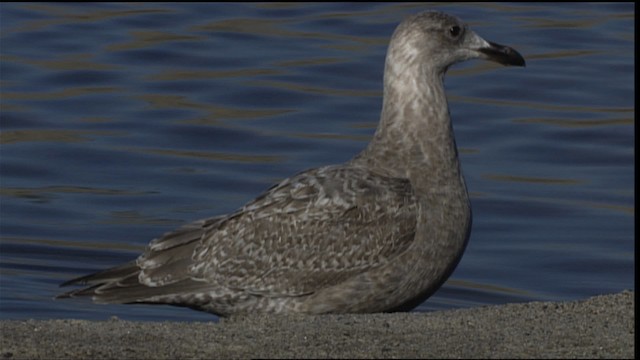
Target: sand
598, 327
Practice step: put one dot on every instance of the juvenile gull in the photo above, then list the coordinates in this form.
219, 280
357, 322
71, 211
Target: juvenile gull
379, 233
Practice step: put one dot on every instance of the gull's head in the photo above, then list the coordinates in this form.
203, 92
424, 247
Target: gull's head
436, 40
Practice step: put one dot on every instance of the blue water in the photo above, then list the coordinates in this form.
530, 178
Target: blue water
120, 122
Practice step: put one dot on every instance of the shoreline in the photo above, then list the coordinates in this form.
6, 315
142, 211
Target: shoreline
601, 326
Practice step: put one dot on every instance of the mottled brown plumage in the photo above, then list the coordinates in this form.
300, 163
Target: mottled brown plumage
379, 233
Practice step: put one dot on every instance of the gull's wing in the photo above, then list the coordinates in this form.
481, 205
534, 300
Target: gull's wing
308, 232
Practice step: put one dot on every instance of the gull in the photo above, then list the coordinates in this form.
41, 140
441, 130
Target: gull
379, 233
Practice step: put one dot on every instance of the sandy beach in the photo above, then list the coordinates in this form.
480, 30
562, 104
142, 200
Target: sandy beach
598, 327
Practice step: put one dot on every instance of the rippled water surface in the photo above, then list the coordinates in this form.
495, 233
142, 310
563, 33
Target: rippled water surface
122, 121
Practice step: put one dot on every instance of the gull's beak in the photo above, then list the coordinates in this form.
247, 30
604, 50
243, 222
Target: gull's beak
502, 54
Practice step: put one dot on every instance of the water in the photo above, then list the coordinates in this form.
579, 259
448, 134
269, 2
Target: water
122, 121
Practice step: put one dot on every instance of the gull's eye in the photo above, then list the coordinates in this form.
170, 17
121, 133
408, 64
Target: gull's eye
455, 30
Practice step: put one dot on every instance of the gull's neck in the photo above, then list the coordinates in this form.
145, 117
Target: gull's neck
414, 139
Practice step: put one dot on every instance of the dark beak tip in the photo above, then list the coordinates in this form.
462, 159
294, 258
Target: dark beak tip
504, 55
520, 62
515, 58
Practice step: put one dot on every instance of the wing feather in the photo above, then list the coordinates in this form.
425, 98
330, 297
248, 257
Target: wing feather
311, 231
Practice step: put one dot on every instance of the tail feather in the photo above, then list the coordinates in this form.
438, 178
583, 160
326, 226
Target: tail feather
110, 274
119, 274
160, 275
130, 290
